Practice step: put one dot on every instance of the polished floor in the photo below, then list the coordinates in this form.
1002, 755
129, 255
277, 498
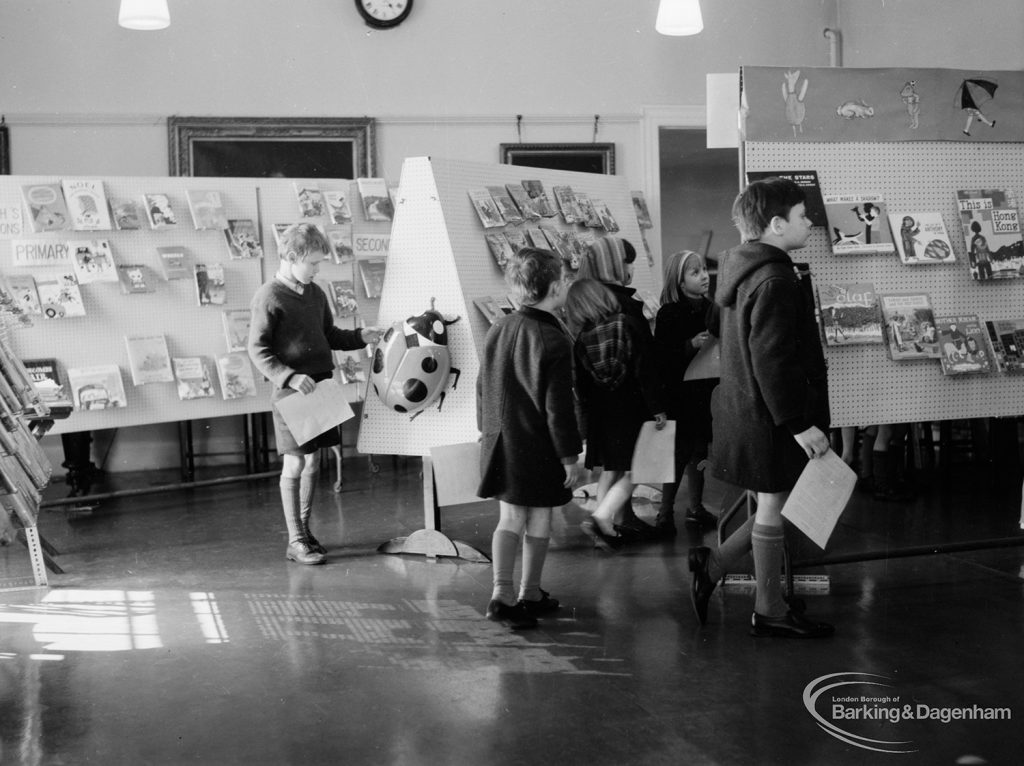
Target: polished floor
180, 635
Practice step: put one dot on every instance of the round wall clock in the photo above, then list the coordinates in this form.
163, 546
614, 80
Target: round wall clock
384, 14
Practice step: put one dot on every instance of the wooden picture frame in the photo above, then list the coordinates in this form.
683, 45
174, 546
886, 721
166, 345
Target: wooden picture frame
5, 150
581, 158
273, 147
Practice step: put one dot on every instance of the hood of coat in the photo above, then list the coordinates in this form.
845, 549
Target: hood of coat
739, 263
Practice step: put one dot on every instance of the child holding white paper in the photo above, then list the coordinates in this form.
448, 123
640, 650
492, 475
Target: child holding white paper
291, 338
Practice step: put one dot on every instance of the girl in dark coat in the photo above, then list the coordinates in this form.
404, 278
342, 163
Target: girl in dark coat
770, 411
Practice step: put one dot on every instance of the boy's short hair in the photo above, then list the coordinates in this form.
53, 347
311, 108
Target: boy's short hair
761, 201
301, 239
530, 273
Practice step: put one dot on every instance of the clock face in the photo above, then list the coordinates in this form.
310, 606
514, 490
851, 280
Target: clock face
384, 13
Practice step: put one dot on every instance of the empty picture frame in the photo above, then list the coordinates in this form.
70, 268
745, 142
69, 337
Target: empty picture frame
272, 147
581, 158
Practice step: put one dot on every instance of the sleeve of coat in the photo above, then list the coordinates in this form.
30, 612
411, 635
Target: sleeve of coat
559, 404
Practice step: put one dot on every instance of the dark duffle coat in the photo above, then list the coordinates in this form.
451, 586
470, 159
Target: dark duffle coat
525, 410
774, 381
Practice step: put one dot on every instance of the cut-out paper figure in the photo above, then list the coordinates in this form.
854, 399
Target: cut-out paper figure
869, 217
794, 98
913, 101
854, 109
842, 238
971, 94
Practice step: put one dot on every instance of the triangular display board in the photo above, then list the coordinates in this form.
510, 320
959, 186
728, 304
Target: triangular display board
438, 251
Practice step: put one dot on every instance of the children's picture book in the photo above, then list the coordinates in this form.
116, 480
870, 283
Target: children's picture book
59, 296
377, 205
921, 238
350, 367
506, 205
643, 213
242, 239
210, 285
343, 294
93, 261
337, 207
23, 289
1007, 339
962, 346
536, 237
991, 229
46, 208
857, 224
372, 271
516, 238
541, 202
148, 359
561, 243
97, 387
236, 375
568, 204
173, 263
586, 206
340, 237
311, 200
48, 382
806, 180
159, 211
486, 208
136, 278
194, 377
500, 248
909, 324
849, 313
493, 307
87, 204
604, 215
207, 209
126, 214
526, 207
236, 328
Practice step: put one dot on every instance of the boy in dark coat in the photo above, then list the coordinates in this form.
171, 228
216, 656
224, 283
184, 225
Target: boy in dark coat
530, 442
770, 411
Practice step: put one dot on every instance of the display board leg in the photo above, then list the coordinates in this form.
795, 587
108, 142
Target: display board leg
430, 541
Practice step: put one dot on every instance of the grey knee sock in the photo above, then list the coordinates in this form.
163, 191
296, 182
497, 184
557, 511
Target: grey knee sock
769, 546
307, 490
733, 548
504, 545
535, 551
290, 503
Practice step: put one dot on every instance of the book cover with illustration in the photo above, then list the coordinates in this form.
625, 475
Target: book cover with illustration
377, 205
136, 278
194, 377
586, 205
159, 211
46, 208
962, 346
500, 248
1007, 339
807, 180
493, 307
207, 210
22, 288
640, 209
372, 272
211, 288
343, 295
236, 375
921, 238
126, 213
561, 243
849, 313
909, 325
516, 239
527, 209
537, 238
242, 239
991, 229
48, 382
340, 237
506, 205
604, 215
148, 359
93, 261
567, 203
541, 201
350, 367
337, 207
59, 296
486, 208
236, 328
86, 201
97, 387
172, 262
311, 200
857, 224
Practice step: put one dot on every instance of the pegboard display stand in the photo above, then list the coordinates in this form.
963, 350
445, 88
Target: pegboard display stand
438, 251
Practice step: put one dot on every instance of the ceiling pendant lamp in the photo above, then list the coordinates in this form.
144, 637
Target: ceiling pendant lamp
144, 14
679, 17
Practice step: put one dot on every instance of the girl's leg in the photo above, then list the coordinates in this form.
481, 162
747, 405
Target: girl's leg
504, 544
535, 551
609, 508
698, 514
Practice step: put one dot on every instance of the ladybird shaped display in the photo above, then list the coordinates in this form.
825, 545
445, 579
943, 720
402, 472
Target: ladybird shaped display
412, 365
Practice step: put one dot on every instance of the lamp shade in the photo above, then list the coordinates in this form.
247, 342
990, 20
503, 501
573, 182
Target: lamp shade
679, 17
144, 14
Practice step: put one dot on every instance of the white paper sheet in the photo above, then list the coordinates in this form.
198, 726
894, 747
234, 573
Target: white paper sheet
819, 497
309, 415
654, 456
